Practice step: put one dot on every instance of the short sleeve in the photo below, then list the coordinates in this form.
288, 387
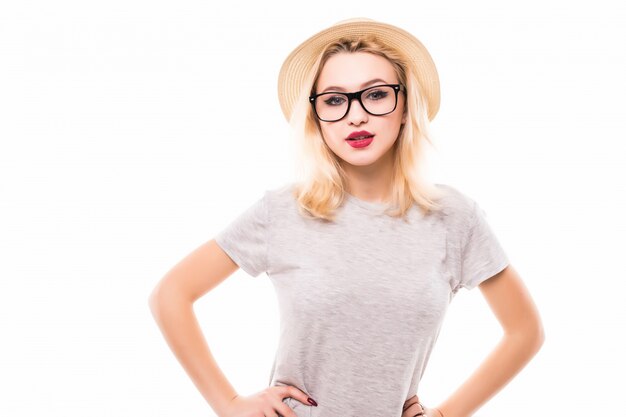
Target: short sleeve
482, 254
245, 239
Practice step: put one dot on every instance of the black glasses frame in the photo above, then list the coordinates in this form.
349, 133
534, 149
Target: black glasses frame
357, 95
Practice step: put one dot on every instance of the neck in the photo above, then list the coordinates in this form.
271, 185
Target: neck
372, 182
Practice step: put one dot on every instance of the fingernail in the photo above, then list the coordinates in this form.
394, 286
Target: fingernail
311, 401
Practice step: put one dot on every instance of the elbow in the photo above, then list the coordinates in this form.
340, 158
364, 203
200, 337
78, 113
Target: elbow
541, 337
157, 299
532, 337
536, 337
164, 299
153, 302
159, 304
537, 334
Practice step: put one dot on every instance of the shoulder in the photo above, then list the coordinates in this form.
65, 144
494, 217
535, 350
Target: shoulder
280, 192
458, 208
280, 197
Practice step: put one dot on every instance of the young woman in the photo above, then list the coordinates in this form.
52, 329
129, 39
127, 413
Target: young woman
364, 254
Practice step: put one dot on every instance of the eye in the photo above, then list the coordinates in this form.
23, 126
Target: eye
334, 100
377, 94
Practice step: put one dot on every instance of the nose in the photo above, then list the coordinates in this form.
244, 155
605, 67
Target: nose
357, 114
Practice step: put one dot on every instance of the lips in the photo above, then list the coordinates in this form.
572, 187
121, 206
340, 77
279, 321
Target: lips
359, 135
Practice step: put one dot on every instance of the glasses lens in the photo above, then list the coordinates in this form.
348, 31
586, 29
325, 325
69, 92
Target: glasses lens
331, 106
377, 100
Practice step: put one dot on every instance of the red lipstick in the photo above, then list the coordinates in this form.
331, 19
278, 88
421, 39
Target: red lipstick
360, 139
360, 134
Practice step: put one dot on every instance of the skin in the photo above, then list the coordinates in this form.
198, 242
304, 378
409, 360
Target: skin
171, 304
368, 175
368, 169
171, 301
523, 335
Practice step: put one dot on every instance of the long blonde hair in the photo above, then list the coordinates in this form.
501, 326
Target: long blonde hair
321, 182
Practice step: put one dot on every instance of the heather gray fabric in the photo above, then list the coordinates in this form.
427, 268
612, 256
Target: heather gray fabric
361, 300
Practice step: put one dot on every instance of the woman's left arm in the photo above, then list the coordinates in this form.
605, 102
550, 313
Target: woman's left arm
514, 308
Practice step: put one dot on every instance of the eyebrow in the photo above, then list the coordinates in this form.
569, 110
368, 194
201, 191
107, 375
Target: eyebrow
375, 80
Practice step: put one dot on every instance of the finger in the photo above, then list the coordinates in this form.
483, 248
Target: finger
283, 410
410, 402
301, 396
408, 411
411, 398
413, 410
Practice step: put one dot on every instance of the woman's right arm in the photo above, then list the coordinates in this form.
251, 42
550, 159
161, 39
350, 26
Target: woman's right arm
171, 304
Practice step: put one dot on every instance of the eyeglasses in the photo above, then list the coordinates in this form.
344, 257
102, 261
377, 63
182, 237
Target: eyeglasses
377, 101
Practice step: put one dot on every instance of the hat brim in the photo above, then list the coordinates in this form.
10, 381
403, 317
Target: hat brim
299, 62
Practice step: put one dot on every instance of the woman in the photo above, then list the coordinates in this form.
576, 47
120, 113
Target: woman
364, 254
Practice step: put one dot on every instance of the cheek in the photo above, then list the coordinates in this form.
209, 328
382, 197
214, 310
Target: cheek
328, 133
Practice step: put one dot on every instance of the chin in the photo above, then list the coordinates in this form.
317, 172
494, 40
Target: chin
360, 161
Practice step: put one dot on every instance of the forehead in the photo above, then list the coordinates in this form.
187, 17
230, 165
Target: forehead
351, 70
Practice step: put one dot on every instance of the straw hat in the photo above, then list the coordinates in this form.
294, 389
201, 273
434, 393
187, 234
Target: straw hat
299, 62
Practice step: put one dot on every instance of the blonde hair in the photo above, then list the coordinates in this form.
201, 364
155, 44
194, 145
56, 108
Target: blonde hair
321, 182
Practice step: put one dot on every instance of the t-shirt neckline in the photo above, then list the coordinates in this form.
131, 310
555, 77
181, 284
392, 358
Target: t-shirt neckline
373, 206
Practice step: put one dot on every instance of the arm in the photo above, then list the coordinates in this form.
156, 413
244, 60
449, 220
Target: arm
171, 304
523, 336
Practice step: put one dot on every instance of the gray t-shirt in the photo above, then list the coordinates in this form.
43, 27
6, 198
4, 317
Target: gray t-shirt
361, 299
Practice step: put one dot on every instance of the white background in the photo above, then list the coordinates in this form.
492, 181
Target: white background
132, 131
